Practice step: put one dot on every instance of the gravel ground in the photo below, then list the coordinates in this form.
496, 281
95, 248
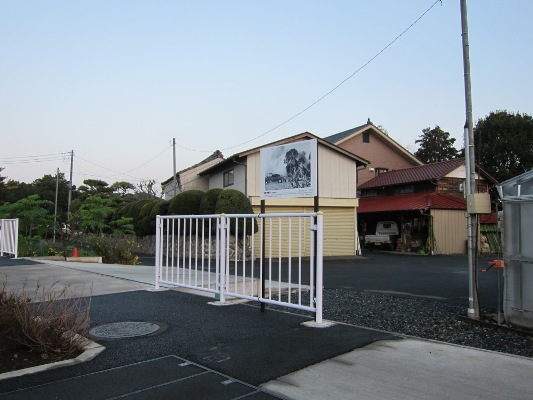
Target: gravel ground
428, 319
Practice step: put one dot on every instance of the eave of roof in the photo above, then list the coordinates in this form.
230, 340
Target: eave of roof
411, 202
421, 173
214, 156
301, 136
338, 138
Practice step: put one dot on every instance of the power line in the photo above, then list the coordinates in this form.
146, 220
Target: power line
33, 159
331, 90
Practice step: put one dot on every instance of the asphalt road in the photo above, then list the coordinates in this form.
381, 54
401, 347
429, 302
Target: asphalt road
442, 278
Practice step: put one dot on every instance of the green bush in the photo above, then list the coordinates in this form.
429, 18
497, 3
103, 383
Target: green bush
231, 201
160, 208
115, 249
186, 203
209, 201
145, 219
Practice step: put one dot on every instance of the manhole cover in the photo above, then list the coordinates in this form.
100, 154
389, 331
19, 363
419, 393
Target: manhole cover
119, 330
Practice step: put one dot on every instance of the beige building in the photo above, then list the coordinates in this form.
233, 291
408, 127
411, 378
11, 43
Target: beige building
337, 195
189, 178
370, 143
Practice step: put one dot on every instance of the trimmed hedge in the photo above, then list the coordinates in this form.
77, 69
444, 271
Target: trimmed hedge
186, 203
209, 201
231, 201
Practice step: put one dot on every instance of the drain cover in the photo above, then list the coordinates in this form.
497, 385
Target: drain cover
119, 330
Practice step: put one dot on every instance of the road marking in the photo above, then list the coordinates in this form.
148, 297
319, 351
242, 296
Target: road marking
406, 294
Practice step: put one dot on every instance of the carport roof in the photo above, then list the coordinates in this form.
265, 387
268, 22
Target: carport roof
412, 201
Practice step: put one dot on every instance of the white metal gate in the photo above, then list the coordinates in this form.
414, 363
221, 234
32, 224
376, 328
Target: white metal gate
270, 258
9, 230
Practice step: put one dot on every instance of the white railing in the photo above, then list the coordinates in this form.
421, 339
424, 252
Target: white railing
269, 258
9, 229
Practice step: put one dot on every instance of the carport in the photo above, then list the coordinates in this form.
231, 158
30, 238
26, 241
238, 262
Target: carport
429, 222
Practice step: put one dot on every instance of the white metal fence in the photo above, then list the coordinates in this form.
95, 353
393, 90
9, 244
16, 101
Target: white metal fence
9, 229
270, 258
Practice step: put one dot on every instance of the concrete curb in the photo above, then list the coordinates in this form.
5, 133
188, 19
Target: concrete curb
92, 349
93, 260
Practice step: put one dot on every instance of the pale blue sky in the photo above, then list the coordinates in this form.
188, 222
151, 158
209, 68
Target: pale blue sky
115, 81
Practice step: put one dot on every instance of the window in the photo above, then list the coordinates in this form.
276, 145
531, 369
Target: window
366, 137
380, 170
228, 178
405, 189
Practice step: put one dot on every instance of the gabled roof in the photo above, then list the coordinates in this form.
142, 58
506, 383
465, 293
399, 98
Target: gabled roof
411, 201
340, 137
301, 136
214, 156
421, 173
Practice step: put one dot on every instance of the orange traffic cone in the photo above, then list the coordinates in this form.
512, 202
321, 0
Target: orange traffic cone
75, 252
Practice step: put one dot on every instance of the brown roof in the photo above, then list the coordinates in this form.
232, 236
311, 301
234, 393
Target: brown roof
421, 173
411, 201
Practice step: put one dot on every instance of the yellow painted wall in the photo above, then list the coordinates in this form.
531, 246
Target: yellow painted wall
449, 228
339, 230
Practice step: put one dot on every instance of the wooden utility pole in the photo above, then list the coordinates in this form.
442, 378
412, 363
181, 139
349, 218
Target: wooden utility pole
55, 206
174, 169
70, 183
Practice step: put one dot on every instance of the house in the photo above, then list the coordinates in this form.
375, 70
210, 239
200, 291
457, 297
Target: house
371, 143
426, 201
337, 195
189, 178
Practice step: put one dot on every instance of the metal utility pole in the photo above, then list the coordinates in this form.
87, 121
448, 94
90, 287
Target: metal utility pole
55, 207
70, 183
174, 174
470, 187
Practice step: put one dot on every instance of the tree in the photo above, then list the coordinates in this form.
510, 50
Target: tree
33, 213
122, 188
95, 187
94, 214
435, 145
145, 190
504, 144
45, 187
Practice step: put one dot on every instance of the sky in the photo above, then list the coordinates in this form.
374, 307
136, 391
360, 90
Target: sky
115, 82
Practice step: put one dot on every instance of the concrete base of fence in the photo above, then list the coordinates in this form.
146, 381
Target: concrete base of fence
323, 324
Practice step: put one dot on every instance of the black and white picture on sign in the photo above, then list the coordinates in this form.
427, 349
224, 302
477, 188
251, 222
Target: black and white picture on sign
289, 170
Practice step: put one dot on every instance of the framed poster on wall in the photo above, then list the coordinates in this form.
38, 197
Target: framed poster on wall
289, 170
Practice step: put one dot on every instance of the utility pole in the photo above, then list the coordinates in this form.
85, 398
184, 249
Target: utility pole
470, 187
55, 207
174, 170
70, 183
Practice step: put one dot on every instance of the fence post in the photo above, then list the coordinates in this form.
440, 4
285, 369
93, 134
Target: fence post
16, 237
222, 255
319, 266
1, 237
158, 233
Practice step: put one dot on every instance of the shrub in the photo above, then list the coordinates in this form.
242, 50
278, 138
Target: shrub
231, 201
145, 219
52, 322
209, 201
186, 203
160, 208
115, 249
